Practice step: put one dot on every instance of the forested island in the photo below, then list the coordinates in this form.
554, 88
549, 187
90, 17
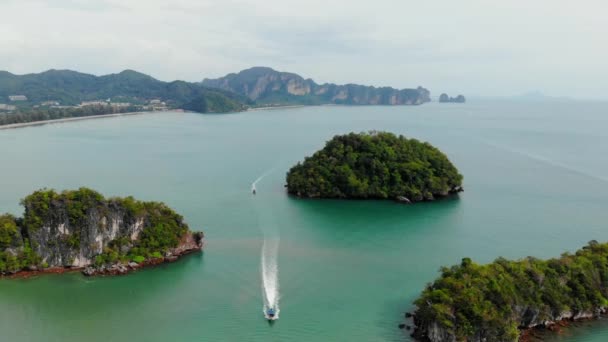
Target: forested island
80, 229
375, 165
503, 300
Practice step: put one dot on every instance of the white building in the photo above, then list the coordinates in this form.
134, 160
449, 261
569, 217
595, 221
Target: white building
50, 103
7, 107
17, 97
93, 103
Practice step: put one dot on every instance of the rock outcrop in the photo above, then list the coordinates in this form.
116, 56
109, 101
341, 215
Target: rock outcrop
530, 319
78, 229
444, 98
504, 300
268, 86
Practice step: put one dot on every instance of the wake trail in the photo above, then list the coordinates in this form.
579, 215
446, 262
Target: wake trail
546, 160
255, 182
270, 275
269, 268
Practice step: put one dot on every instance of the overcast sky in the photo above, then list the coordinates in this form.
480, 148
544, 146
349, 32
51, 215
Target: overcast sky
474, 47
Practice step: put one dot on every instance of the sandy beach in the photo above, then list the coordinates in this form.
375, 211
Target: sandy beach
46, 122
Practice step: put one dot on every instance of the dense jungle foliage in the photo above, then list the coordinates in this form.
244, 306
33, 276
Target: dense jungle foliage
493, 300
81, 214
375, 165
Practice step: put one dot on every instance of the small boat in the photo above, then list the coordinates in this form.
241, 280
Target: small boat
270, 313
253, 191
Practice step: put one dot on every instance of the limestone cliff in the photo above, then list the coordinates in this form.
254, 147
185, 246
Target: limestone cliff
530, 318
268, 86
502, 300
80, 228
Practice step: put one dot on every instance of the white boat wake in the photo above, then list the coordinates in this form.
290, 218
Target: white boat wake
255, 182
269, 268
270, 277
546, 160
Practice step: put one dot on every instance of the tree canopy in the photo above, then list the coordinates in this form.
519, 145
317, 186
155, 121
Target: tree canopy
493, 300
77, 211
375, 165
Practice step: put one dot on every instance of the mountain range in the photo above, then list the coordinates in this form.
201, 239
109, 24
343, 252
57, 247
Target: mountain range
258, 86
71, 88
268, 86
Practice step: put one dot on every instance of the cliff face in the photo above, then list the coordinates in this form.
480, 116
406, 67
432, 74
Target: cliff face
496, 301
267, 86
81, 228
529, 318
60, 242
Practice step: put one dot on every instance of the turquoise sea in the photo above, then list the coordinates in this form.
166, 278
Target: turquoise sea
536, 183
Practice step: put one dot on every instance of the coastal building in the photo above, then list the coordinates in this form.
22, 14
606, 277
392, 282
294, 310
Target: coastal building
93, 103
17, 97
7, 107
50, 103
120, 104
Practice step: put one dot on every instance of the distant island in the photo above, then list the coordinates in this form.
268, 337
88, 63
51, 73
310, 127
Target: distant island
444, 98
375, 165
503, 300
266, 86
82, 230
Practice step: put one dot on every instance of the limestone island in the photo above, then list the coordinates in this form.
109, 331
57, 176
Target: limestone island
375, 165
444, 98
506, 300
81, 230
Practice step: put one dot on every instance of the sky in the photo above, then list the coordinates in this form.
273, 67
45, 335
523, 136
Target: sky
473, 47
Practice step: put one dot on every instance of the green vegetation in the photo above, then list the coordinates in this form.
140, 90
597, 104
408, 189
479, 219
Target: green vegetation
9, 231
374, 165
73, 220
493, 300
25, 115
70, 88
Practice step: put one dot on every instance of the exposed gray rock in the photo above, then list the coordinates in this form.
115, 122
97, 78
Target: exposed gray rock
60, 244
266, 85
403, 199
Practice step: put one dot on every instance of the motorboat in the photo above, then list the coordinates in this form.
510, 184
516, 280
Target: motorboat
271, 313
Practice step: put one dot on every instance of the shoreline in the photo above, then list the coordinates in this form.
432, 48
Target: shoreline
526, 334
47, 122
113, 270
275, 107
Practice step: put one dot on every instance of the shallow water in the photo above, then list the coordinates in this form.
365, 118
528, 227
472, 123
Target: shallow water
535, 184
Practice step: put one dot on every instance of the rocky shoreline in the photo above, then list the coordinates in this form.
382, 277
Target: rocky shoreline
528, 333
192, 247
432, 197
194, 243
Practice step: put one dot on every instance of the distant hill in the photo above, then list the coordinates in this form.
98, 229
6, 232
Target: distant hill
268, 86
71, 88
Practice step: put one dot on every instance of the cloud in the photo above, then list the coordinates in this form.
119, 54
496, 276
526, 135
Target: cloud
469, 46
